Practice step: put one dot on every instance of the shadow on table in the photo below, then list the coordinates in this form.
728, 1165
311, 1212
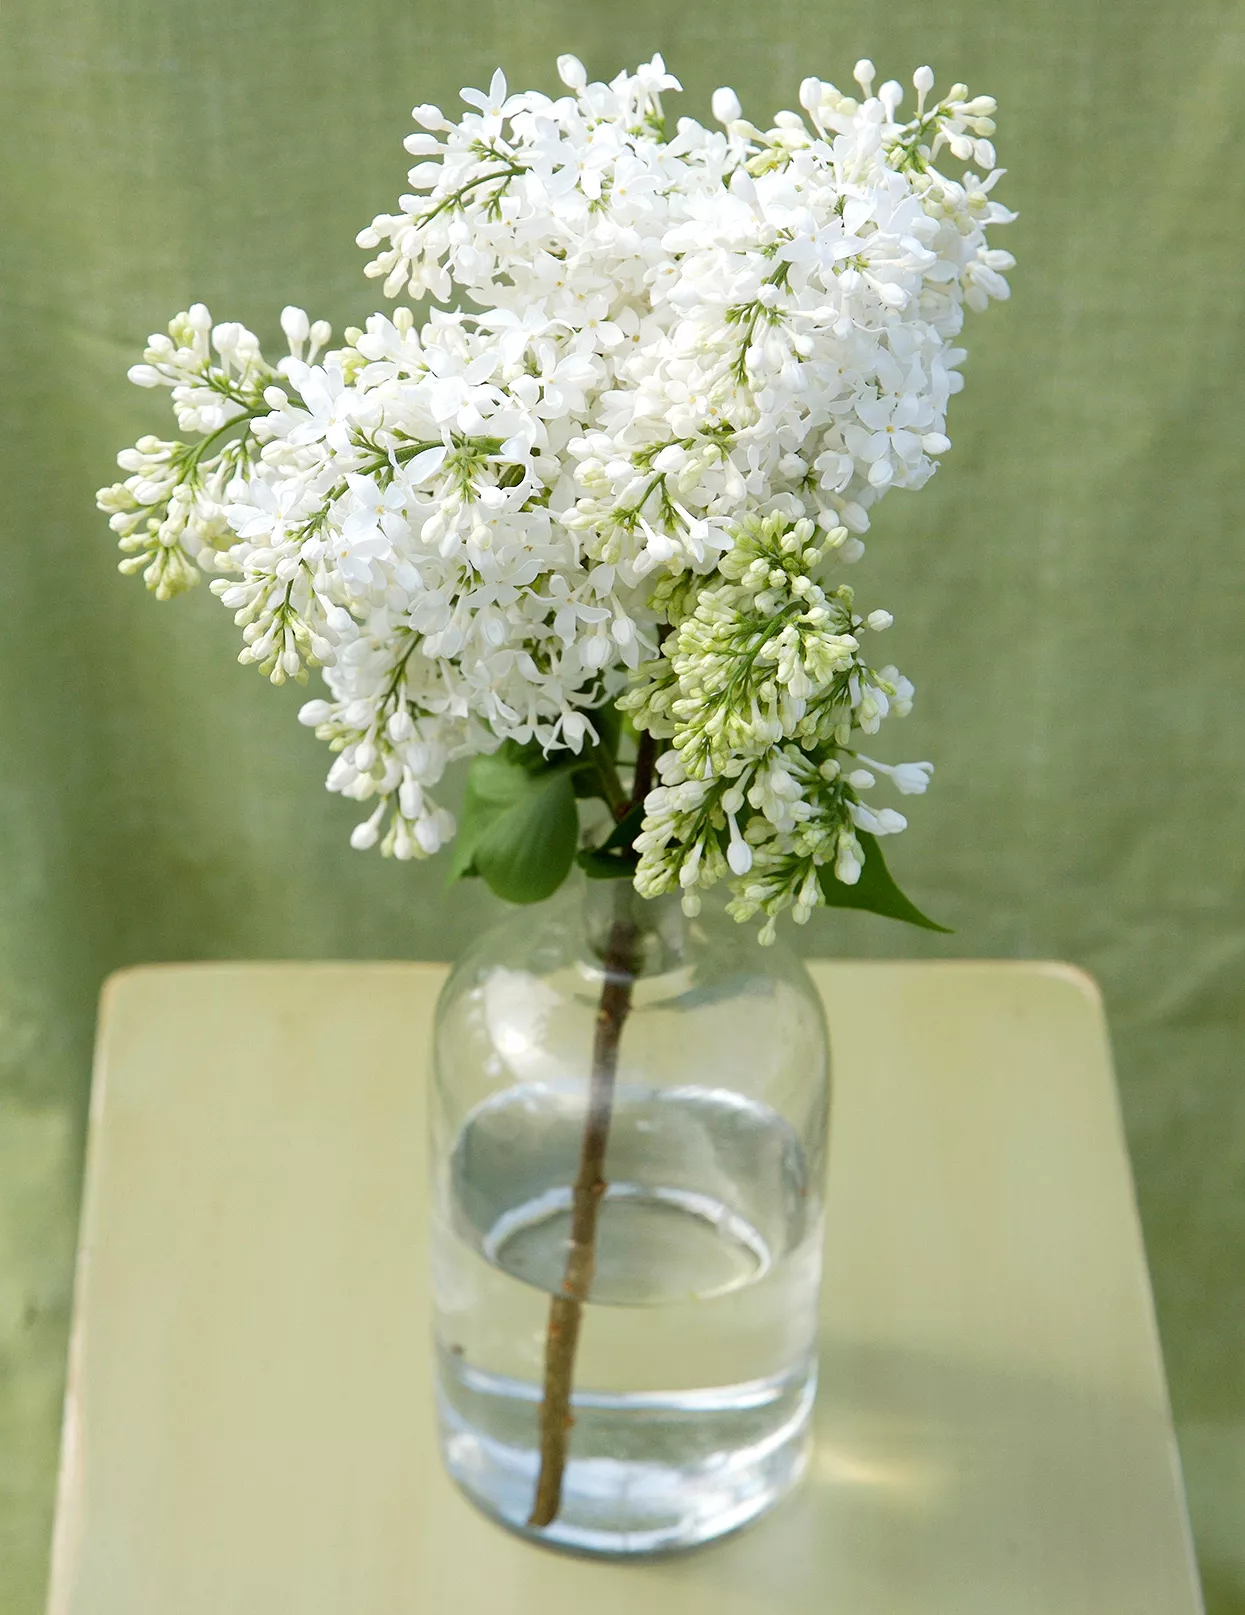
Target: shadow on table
940, 1488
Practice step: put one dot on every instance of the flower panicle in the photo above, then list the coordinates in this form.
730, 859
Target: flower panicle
170, 511
628, 456
761, 690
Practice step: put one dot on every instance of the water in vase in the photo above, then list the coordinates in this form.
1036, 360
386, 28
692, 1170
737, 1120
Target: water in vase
695, 1371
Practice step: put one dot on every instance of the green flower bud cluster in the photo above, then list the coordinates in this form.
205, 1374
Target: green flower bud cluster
759, 689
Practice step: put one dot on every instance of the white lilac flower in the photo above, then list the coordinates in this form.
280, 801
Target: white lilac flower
678, 368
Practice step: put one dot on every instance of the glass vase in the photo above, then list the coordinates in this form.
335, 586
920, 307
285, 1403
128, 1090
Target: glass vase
628, 1146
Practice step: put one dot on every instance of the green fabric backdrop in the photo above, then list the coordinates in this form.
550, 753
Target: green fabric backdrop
158, 802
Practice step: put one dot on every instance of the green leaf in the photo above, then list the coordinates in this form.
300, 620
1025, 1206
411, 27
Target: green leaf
528, 850
519, 827
876, 890
615, 858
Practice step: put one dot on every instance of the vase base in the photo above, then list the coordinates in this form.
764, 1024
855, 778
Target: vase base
681, 1471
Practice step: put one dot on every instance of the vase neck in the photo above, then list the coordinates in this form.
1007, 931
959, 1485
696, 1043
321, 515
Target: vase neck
659, 933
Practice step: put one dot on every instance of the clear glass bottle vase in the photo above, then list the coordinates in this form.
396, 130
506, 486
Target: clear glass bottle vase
628, 1135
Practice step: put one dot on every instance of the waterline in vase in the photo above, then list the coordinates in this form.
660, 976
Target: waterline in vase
695, 1374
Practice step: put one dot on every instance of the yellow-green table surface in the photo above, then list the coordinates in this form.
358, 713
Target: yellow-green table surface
249, 1415
1067, 590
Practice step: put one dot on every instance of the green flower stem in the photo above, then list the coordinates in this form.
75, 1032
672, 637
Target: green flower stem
456, 198
196, 451
612, 789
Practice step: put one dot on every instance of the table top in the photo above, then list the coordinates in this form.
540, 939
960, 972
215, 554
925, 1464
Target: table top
249, 1424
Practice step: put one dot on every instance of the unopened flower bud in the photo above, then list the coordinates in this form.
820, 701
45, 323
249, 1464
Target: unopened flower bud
367, 834
400, 726
295, 324
739, 857
726, 105
572, 72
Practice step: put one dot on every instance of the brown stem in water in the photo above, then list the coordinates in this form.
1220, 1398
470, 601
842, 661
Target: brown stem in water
566, 1309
